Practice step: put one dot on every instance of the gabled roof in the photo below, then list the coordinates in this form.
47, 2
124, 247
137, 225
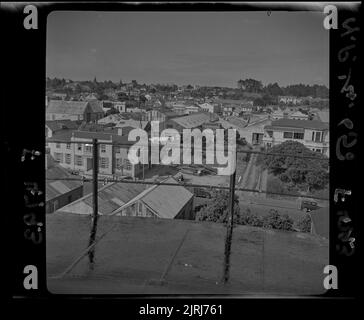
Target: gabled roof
192, 120
73, 107
55, 188
66, 107
132, 123
55, 125
167, 201
110, 198
303, 124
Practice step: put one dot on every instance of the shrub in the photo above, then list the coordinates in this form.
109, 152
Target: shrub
276, 221
304, 225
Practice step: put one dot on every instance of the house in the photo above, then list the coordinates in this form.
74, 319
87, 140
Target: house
60, 192
120, 106
58, 96
139, 200
113, 155
208, 107
227, 110
277, 114
298, 115
89, 111
58, 126
141, 124
247, 108
195, 120
192, 109
289, 100
161, 201
312, 134
110, 198
111, 119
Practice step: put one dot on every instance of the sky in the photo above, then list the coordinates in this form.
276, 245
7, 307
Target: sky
198, 48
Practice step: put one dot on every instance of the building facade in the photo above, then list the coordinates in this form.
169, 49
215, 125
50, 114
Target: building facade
312, 134
113, 154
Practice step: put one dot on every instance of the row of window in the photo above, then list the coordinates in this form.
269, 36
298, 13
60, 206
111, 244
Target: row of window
88, 148
317, 136
293, 135
103, 161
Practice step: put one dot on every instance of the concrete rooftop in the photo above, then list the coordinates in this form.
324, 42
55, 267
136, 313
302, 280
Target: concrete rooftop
136, 252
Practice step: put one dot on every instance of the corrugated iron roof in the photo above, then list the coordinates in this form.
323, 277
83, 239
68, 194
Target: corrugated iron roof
192, 120
110, 197
167, 201
55, 188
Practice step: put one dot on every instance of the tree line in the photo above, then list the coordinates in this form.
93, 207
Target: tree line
274, 90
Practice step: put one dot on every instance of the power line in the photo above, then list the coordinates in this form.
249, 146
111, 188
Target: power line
185, 185
198, 149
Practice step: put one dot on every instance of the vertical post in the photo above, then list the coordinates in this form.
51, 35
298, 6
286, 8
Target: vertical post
229, 227
94, 217
95, 170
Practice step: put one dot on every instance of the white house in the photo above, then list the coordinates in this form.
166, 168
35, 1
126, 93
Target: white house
312, 134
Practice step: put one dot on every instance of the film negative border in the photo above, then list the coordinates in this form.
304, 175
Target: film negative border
25, 52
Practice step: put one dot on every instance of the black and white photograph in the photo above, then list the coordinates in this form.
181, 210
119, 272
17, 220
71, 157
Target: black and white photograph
181, 159
256, 83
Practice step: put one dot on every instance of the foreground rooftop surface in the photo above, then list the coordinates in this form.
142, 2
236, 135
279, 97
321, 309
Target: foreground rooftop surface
134, 256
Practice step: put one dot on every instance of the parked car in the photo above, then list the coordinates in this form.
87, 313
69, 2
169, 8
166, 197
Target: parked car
308, 205
202, 193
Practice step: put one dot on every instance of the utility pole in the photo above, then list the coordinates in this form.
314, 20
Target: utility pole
94, 200
230, 223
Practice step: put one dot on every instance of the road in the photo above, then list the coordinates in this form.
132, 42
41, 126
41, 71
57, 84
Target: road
258, 203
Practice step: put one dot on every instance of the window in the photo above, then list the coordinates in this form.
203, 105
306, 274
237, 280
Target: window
104, 163
79, 147
288, 135
67, 158
119, 164
298, 135
103, 148
78, 161
317, 136
127, 164
88, 148
117, 149
318, 150
58, 145
270, 133
68, 146
58, 157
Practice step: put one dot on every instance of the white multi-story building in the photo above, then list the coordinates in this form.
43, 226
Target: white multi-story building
113, 158
312, 134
